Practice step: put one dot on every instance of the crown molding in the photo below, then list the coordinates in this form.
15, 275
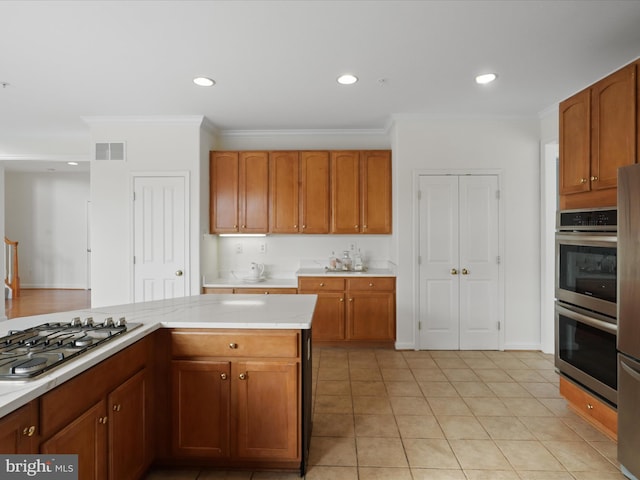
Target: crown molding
38, 157
301, 132
196, 120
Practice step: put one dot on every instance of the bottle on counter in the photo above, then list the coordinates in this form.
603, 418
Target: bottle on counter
333, 261
358, 263
346, 261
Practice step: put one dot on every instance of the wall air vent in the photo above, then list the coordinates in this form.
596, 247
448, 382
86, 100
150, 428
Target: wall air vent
110, 151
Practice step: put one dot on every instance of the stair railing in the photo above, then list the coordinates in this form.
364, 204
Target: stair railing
11, 275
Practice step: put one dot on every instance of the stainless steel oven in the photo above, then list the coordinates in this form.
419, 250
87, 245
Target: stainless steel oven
586, 350
586, 259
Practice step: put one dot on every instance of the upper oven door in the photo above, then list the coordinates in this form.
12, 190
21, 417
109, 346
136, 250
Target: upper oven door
586, 270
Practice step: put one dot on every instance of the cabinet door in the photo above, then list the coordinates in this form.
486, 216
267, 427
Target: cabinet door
224, 192
284, 187
575, 143
253, 192
87, 437
128, 429
17, 431
314, 194
266, 396
345, 192
375, 175
371, 316
613, 114
329, 317
200, 408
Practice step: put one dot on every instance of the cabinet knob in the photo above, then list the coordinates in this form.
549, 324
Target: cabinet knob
223, 376
295, 226
583, 180
465, 271
116, 408
341, 299
355, 226
364, 226
304, 226
589, 406
235, 227
594, 179
371, 284
454, 271
322, 284
266, 293
351, 299
244, 226
242, 376
233, 345
103, 420
29, 431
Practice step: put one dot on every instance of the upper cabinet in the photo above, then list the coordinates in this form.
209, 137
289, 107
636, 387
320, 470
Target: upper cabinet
314, 192
239, 183
598, 134
361, 192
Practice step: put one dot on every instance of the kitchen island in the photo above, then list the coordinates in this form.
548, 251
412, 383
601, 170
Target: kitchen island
267, 348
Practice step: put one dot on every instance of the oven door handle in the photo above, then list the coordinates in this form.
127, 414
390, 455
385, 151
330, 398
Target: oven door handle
595, 323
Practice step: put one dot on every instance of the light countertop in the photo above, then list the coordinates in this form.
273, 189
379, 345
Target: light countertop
292, 282
199, 311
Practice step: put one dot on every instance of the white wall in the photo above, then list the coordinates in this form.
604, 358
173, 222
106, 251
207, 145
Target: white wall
47, 214
164, 144
2, 228
508, 145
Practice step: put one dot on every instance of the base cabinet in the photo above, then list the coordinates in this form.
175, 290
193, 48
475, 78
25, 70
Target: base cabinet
355, 310
236, 397
104, 416
594, 411
19, 430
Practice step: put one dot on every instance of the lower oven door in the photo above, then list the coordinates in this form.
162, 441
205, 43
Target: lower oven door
586, 350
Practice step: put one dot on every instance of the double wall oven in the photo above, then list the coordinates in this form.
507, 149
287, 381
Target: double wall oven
586, 273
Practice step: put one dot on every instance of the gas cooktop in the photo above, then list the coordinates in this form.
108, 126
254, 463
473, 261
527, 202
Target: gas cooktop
25, 354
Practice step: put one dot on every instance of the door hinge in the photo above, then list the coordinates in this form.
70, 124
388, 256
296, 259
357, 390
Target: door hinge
498, 194
419, 325
419, 259
134, 259
419, 194
498, 326
498, 259
134, 196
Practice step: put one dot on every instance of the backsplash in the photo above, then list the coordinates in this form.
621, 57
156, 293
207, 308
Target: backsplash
283, 255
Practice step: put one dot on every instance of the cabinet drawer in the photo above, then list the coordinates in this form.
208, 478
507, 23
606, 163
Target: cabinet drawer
320, 284
207, 290
598, 413
226, 343
372, 284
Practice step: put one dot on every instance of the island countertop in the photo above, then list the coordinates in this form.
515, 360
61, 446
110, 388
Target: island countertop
199, 311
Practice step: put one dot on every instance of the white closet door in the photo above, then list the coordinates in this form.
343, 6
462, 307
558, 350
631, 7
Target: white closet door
439, 283
160, 238
459, 270
479, 271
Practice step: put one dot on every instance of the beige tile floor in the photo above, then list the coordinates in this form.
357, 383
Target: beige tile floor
440, 415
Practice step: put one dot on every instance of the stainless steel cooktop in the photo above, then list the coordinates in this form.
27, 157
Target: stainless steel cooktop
25, 354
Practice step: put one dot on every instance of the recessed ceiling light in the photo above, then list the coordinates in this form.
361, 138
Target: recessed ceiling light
347, 79
72, 163
204, 82
486, 78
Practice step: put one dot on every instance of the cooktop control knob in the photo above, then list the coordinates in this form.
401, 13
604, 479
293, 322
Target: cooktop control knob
108, 322
121, 322
75, 322
88, 322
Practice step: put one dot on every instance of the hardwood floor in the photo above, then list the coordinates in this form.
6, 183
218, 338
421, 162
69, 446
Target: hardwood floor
37, 301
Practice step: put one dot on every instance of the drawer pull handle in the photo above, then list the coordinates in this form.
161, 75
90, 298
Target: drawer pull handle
589, 406
116, 408
322, 284
242, 376
29, 431
371, 285
223, 376
233, 346
103, 420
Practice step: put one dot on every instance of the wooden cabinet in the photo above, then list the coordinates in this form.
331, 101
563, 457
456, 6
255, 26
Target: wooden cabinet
361, 192
371, 308
314, 192
237, 396
105, 416
239, 192
596, 412
598, 134
355, 310
329, 317
258, 290
19, 430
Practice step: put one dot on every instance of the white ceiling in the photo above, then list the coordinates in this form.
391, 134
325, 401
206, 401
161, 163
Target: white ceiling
275, 62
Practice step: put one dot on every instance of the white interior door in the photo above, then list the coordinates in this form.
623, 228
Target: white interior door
160, 237
459, 263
